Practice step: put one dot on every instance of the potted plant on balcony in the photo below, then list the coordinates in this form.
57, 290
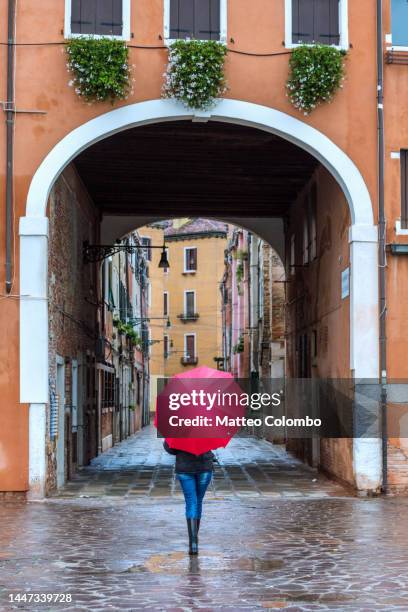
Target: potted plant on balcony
316, 74
99, 68
195, 73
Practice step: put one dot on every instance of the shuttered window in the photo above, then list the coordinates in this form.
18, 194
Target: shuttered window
315, 21
404, 189
190, 304
190, 351
190, 262
198, 19
103, 17
399, 23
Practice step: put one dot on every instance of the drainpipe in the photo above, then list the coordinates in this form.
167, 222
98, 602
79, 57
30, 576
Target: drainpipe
10, 141
382, 237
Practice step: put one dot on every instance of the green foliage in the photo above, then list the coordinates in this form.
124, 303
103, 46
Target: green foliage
241, 255
240, 272
316, 73
99, 67
127, 330
239, 346
195, 73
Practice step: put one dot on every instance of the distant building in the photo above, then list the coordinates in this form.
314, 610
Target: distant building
185, 300
253, 302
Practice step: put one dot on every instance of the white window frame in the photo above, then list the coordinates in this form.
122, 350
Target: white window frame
166, 314
343, 25
146, 248
185, 260
195, 345
125, 22
166, 22
388, 38
185, 301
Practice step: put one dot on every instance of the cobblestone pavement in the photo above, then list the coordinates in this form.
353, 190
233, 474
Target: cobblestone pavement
139, 467
255, 554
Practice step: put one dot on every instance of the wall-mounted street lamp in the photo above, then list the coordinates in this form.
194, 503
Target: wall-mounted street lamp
138, 320
93, 253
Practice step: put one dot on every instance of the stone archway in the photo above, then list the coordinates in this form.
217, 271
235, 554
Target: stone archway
364, 337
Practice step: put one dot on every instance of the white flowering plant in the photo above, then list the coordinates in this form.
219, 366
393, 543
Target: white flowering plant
99, 68
316, 73
195, 73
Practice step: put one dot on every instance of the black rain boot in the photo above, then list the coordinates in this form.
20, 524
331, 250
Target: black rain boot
192, 536
198, 525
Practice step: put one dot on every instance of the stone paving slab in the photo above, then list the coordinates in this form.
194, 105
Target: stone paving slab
247, 467
255, 554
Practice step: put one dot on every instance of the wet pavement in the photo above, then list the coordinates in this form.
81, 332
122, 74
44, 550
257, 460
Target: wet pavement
139, 467
257, 554
271, 538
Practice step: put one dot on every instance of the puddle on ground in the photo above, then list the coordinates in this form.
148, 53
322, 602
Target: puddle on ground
181, 563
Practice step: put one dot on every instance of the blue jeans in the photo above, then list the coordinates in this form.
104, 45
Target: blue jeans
194, 487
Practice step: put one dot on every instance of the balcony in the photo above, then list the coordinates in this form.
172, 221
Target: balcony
186, 317
189, 361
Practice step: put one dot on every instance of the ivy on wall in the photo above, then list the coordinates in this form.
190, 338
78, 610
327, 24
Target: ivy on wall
316, 73
99, 67
195, 73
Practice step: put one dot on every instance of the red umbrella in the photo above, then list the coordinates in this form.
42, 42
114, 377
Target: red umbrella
197, 439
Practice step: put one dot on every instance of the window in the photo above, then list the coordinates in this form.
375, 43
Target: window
189, 346
147, 243
312, 214
190, 259
292, 254
189, 303
305, 238
98, 17
309, 227
200, 19
166, 347
399, 23
404, 188
316, 21
165, 304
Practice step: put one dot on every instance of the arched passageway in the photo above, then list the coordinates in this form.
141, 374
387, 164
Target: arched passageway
217, 166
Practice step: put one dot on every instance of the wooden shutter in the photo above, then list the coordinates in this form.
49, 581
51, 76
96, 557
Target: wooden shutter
165, 304
207, 19
198, 19
192, 259
190, 347
109, 17
315, 21
102, 17
302, 21
182, 18
76, 22
404, 189
190, 303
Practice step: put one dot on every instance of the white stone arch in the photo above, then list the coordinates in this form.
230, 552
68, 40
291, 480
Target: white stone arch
33, 231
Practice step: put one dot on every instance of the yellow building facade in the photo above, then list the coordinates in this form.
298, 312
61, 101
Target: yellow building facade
184, 299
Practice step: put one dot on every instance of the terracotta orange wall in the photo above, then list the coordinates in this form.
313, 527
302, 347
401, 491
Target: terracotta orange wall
41, 84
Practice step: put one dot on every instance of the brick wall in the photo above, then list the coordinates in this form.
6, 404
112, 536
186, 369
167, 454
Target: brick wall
72, 299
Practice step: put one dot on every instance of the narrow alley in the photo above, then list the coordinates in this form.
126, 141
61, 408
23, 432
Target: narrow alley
248, 467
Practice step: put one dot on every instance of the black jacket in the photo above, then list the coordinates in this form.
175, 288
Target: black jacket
187, 463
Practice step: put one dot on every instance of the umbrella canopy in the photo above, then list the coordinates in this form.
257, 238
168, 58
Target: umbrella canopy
195, 438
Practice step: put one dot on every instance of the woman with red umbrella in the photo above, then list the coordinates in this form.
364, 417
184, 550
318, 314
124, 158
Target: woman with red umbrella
194, 473
194, 459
